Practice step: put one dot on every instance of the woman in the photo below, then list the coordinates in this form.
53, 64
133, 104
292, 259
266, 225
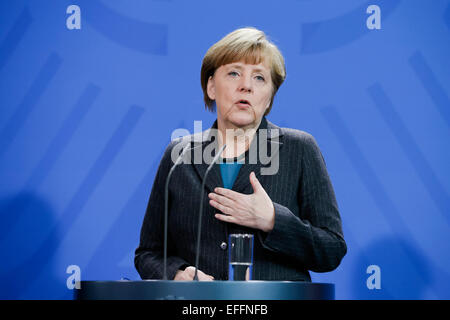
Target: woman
290, 207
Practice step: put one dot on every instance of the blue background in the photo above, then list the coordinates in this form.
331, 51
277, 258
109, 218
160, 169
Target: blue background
86, 114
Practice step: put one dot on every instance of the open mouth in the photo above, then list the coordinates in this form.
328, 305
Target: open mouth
243, 103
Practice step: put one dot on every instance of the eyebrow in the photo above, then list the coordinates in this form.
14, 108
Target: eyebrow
237, 66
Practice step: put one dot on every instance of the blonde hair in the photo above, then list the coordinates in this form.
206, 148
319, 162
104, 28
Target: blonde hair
248, 45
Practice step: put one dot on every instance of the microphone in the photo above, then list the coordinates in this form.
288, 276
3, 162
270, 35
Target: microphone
199, 232
166, 206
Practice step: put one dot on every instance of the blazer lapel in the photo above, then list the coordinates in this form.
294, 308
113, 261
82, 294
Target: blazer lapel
201, 142
268, 135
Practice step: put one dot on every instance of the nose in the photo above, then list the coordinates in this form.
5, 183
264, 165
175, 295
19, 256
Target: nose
245, 85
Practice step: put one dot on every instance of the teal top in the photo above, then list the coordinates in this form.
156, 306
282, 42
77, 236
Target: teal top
229, 169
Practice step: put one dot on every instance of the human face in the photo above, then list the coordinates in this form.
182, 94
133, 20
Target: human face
234, 82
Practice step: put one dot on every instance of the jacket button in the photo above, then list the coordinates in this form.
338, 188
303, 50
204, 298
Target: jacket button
223, 246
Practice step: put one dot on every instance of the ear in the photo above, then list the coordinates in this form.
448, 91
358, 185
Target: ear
211, 88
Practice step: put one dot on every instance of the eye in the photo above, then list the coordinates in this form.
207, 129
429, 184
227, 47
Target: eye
260, 78
233, 73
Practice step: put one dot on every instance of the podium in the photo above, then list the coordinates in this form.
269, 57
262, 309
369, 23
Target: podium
203, 290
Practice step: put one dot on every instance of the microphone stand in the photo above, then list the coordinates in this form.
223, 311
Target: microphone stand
166, 207
201, 210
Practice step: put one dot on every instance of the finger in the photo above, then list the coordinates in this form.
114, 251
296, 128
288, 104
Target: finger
204, 277
230, 194
225, 218
221, 207
255, 182
221, 199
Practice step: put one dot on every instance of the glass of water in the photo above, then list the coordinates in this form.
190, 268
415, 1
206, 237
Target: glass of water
240, 247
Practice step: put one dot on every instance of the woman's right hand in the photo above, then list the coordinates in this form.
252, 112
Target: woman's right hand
188, 274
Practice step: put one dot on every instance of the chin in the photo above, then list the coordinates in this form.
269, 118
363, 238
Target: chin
242, 120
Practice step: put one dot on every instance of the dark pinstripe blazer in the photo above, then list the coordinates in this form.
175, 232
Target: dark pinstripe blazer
307, 234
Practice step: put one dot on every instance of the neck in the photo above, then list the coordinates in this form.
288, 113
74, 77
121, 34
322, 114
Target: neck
238, 139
